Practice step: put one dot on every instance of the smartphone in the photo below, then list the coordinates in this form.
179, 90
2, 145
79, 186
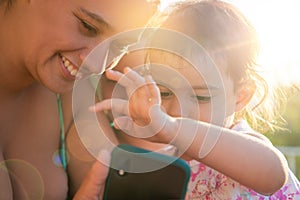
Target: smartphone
139, 174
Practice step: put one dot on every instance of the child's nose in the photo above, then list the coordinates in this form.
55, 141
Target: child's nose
181, 108
174, 108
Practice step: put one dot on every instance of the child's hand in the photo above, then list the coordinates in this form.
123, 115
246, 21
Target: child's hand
141, 114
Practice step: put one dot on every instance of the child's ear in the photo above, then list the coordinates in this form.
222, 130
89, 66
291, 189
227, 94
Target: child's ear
244, 95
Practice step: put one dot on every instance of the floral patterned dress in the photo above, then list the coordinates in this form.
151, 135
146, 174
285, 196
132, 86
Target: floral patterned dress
208, 184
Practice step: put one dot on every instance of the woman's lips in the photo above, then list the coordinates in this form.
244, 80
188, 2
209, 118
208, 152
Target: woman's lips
69, 69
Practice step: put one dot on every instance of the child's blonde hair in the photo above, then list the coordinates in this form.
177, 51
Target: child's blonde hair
232, 41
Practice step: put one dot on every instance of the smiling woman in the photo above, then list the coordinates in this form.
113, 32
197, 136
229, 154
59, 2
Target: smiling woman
43, 44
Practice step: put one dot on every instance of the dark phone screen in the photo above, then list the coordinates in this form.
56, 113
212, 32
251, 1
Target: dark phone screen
168, 182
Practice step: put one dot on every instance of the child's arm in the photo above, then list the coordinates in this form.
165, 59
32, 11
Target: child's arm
244, 158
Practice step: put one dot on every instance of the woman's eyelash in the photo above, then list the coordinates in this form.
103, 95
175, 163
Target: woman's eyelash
88, 27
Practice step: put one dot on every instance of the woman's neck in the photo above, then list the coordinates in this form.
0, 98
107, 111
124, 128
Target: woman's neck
13, 76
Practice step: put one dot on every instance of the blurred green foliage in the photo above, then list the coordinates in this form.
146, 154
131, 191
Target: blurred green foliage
290, 136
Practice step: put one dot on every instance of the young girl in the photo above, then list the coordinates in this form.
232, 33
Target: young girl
201, 102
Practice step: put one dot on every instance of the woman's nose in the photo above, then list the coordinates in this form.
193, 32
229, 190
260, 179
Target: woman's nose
94, 57
83, 54
91, 45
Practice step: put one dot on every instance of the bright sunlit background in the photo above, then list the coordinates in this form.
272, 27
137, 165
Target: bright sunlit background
278, 24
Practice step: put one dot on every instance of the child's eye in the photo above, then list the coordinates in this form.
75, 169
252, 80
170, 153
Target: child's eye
166, 94
203, 99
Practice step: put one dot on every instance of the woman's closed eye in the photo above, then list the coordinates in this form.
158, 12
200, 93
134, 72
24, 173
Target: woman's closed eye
88, 29
85, 26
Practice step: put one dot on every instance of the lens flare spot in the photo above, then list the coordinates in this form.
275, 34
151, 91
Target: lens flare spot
57, 159
25, 177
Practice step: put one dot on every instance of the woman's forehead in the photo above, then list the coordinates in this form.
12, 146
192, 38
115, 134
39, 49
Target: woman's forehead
125, 14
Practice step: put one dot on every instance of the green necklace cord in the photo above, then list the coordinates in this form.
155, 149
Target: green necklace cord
62, 150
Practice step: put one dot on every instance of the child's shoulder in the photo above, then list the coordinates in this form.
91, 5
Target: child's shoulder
242, 126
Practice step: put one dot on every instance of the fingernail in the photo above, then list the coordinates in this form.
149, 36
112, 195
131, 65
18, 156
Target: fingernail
149, 78
127, 69
92, 108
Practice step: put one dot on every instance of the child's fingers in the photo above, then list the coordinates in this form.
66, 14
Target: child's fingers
153, 89
134, 76
119, 77
131, 80
113, 75
101, 106
147, 84
116, 105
